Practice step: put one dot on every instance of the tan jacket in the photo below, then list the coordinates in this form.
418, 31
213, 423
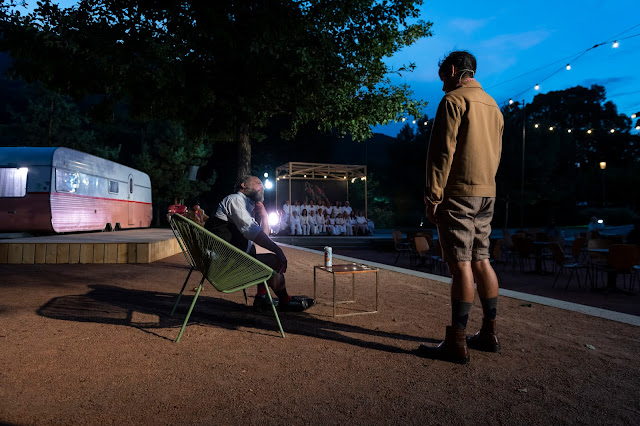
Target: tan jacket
465, 146
200, 219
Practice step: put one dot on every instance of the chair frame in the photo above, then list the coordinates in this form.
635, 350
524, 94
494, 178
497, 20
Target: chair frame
220, 263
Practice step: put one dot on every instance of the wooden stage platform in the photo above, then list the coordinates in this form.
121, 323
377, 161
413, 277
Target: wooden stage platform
128, 246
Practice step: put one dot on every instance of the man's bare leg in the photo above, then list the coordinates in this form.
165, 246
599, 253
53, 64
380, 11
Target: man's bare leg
454, 346
485, 278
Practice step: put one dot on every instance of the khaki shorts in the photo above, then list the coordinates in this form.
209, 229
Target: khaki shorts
464, 226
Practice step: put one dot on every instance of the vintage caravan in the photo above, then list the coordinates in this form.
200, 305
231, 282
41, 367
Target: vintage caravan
63, 190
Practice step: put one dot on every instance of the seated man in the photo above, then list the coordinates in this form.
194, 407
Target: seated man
197, 214
235, 222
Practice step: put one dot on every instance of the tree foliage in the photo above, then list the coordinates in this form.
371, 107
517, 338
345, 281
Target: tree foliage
224, 69
562, 164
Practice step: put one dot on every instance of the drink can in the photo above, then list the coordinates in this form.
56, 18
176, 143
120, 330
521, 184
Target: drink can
328, 256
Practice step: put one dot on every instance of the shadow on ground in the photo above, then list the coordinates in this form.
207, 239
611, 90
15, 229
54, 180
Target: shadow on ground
148, 310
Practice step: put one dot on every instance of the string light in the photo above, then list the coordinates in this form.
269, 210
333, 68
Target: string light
537, 87
612, 130
511, 103
589, 131
536, 125
305, 175
551, 128
325, 177
633, 116
615, 44
414, 121
568, 130
403, 119
425, 123
568, 67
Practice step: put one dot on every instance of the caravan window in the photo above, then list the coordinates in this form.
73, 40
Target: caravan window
113, 186
67, 181
13, 182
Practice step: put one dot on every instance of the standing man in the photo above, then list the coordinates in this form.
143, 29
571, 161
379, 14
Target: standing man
463, 158
235, 222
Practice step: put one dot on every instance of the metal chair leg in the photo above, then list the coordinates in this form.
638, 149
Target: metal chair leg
186, 320
180, 294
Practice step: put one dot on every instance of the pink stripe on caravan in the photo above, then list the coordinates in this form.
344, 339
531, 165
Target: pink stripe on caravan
96, 198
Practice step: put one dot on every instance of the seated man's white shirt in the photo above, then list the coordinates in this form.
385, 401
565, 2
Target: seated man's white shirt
238, 208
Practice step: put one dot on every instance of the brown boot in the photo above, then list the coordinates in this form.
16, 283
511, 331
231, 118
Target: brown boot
485, 339
452, 349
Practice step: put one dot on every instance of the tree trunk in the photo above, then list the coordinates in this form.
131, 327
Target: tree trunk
244, 150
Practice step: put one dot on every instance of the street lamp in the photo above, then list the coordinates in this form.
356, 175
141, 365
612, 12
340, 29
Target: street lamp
603, 166
524, 124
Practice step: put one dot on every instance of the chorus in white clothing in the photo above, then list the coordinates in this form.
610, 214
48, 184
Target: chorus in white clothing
363, 227
348, 228
297, 207
313, 223
286, 208
353, 221
347, 208
294, 226
331, 225
340, 228
304, 222
338, 209
325, 224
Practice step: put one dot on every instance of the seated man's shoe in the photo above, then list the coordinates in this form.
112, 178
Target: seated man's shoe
297, 304
452, 349
485, 339
261, 303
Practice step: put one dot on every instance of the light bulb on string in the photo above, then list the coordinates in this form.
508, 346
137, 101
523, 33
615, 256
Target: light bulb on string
510, 101
633, 116
612, 130
551, 128
536, 125
414, 121
568, 67
403, 119
537, 87
589, 131
568, 130
615, 44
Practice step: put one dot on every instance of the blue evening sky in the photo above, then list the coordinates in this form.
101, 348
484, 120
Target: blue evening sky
511, 38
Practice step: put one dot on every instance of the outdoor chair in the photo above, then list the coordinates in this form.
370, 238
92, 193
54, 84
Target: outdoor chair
578, 249
223, 265
597, 261
422, 252
622, 259
560, 260
524, 249
402, 246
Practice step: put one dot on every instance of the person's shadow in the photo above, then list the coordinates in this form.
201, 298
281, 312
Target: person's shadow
149, 310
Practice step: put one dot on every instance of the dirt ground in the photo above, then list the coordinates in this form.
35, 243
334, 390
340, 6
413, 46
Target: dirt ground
93, 344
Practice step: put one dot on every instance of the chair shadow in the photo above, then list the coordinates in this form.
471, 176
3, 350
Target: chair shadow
149, 310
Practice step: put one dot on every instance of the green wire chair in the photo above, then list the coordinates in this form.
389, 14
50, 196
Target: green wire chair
224, 266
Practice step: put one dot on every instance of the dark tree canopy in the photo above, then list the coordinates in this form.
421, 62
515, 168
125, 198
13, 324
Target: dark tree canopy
562, 165
224, 69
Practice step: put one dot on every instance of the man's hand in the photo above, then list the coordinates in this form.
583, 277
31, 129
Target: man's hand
431, 212
260, 210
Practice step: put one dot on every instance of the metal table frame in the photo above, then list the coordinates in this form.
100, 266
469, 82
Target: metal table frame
345, 269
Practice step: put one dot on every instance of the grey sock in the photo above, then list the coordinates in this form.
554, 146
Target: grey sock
489, 308
460, 313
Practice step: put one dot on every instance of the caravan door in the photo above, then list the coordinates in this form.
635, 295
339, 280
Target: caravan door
130, 202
